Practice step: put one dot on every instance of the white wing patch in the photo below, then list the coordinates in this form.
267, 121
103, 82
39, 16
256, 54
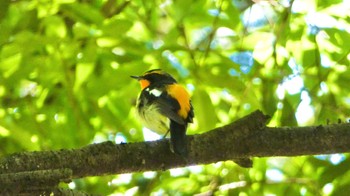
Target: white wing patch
155, 92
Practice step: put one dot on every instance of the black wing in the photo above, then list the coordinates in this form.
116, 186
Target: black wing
167, 105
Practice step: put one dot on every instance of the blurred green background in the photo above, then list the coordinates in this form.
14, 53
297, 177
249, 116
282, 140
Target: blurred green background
64, 82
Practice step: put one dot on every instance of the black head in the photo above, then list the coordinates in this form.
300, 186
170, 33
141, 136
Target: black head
154, 77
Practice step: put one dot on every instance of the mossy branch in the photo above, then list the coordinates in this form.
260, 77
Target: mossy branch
245, 138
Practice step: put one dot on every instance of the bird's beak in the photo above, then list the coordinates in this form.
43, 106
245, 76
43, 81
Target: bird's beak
136, 77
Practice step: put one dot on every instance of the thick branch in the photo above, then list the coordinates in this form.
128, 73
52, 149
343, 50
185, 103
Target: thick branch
247, 137
32, 179
39, 182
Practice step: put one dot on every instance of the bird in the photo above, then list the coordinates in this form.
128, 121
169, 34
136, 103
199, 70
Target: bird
164, 106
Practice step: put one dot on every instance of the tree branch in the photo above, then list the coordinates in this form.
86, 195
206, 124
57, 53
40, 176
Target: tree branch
245, 138
36, 182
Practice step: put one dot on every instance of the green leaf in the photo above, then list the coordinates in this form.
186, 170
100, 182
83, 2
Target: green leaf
204, 110
269, 99
10, 64
81, 30
83, 71
290, 104
4, 5
116, 27
55, 27
83, 12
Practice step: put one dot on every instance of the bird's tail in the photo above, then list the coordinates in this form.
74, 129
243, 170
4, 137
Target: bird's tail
178, 143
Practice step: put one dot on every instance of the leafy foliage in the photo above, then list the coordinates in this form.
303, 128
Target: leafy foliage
64, 82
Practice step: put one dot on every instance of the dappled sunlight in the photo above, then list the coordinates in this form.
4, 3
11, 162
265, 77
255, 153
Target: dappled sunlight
65, 83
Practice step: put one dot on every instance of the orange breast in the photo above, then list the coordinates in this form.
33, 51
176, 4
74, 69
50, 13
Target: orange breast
182, 96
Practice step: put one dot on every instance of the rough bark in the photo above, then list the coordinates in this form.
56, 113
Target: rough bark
248, 137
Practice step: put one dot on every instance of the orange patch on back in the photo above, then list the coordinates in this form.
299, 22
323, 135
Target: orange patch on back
182, 96
144, 83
